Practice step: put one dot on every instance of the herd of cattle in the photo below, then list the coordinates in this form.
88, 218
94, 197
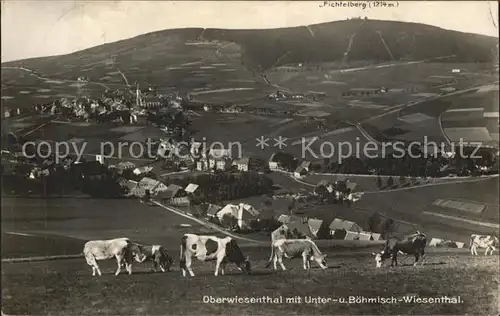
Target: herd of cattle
226, 250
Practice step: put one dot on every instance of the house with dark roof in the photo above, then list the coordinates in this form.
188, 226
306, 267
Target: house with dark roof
212, 210
302, 169
242, 164
175, 195
341, 229
283, 161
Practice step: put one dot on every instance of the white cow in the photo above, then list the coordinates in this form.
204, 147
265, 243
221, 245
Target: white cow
290, 248
119, 248
483, 241
210, 248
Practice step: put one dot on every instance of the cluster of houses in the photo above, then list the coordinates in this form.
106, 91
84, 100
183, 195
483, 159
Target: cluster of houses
316, 228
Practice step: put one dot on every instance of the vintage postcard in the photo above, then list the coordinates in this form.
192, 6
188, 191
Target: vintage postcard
250, 157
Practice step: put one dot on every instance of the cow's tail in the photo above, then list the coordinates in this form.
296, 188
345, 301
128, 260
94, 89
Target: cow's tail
182, 257
271, 257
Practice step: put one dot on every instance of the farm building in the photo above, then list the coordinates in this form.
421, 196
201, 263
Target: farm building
201, 165
242, 164
175, 195
299, 228
191, 188
154, 186
283, 161
142, 170
244, 213
212, 210
222, 163
341, 229
302, 169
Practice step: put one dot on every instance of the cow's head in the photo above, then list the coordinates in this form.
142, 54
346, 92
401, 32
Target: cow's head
245, 266
380, 257
320, 260
137, 252
235, 255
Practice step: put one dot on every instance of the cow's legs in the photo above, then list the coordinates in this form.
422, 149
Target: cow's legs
488, 250
128, 266
188, 267
280, 260
275, 261
119, 263
217, 267
422, 258
93, 263
417, 256
305, 260
394, 260
223, 267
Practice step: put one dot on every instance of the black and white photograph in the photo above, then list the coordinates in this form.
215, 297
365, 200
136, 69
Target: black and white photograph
250, 157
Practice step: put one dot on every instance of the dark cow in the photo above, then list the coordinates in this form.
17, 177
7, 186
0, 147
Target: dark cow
210, 248
154, 253
410, 245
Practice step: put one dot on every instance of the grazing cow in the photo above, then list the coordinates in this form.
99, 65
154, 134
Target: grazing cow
483, 241
290, 248
209, 248
411, 245
156, 254
119, 248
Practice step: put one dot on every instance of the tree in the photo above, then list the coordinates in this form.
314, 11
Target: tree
374, 222
387, 228
390, 182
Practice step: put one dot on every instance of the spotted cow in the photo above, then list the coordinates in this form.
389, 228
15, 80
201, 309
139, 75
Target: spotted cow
211, 248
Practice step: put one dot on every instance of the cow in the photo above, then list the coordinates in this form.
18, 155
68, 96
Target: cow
210, 248
119, 248
411, 245
290, 248
483, 241
154, 253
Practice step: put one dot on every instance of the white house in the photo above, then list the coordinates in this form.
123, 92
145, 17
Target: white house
141, 170
219, 163
244, 213
242, 164
302, 169
191, 188
201, 165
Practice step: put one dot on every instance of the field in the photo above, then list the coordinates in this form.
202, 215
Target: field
66, 287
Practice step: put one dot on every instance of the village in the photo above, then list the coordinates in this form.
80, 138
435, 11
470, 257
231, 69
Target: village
209, 180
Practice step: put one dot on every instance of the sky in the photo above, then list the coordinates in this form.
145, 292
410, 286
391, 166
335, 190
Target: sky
44, 28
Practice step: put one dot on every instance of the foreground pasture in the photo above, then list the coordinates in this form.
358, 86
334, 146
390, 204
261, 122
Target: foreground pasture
66, 287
